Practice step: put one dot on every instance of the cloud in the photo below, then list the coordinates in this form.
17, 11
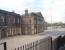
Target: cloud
52, 10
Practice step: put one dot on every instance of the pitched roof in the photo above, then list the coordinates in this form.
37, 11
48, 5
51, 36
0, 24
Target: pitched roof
37, 13
10, 13
34, 13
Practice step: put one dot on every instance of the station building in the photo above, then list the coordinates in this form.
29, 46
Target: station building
32, 23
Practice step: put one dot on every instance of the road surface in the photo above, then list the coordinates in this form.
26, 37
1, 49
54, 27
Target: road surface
54, 32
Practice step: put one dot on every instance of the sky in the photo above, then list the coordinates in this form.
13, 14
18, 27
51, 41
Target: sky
52, 10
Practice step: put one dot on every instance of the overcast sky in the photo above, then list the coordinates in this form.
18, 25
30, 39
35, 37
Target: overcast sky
52, 10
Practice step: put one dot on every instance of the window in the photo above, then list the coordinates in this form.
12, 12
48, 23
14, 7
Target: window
15, 48
21, 48
29, 21
9, 20
2, 17
18, 20
14, 20
18, 48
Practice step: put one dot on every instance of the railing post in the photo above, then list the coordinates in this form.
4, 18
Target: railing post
5, 47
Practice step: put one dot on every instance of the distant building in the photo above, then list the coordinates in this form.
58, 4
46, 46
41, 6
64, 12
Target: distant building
45, 25
33, 23
10, 24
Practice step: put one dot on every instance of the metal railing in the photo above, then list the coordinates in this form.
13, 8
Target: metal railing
4, 45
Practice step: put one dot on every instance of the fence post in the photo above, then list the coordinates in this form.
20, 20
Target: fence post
5, 47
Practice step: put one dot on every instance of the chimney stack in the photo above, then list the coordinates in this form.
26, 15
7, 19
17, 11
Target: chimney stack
26, 12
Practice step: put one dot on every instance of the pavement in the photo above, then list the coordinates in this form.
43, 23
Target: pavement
54, 32
18, 41
27, 39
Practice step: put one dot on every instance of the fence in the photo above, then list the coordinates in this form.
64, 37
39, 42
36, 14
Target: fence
41, 44
29, 43
3, 46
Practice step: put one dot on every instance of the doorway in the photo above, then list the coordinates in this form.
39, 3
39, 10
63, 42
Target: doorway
3, 33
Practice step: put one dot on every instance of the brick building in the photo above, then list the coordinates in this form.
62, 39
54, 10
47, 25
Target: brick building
33, 23
10, 24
